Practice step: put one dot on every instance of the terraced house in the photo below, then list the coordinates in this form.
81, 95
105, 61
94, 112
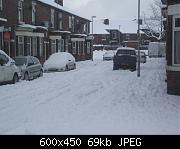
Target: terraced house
42, 27
173, 46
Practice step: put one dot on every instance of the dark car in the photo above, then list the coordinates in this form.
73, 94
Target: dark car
125, 58
29, 66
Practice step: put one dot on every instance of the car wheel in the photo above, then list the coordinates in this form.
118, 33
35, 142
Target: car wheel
41, 73
74, 66
26, 76
133, 69
15, 79
66, 69
115, 67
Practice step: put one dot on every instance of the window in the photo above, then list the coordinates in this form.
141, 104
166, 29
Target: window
3, 59
60, 20
41, 47
20, 10
176, 39
33, 12
114, 35
70, 22
34, 46
52, 18
20, 45
74, 47
88, 48
53, 46
1, 5
28, 45
73, 28
61, 45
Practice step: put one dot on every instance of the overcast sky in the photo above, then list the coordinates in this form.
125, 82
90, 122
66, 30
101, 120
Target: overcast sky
119, 12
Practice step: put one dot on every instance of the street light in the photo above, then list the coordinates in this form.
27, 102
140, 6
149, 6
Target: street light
93, 23
138, 32
119, 35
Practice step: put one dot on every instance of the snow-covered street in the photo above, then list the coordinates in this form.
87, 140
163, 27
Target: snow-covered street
93, 99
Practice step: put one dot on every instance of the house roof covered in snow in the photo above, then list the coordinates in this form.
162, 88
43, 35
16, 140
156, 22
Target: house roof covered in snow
54, 4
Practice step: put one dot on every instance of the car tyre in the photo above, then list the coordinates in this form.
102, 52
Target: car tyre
115, 67
74, 66
26, 76
41, 73
15, 79
66, 69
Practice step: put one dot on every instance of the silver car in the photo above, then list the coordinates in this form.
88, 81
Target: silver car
9, 73
29, 66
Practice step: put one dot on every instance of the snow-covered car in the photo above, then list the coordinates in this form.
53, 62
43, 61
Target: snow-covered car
29, 66
61, 61
9, 73
142, 56
109, 55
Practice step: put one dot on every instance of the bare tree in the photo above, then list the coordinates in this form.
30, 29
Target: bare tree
152, 24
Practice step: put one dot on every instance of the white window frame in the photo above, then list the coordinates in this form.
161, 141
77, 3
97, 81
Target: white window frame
41, 53
21, 43
60, 17
33, 12
28, 43
88, 47
175, 29
70, 22
53, 46
20, 11
74, 47
52, 17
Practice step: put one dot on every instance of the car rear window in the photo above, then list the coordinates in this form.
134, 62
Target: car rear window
20, 61
126, 52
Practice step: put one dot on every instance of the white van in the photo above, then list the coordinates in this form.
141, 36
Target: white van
9, 73
157, 49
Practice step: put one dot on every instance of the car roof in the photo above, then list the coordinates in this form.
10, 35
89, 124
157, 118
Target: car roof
125, 48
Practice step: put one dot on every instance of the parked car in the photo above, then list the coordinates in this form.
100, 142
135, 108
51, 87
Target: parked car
157, 49
61, 61
29, 66
9, 73
142, 56
125, 58
109, 55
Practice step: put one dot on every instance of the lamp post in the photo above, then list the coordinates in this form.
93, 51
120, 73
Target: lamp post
93, 23
92, 35
138, 32
119, 35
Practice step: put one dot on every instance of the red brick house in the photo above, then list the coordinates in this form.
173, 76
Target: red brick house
43, 27
173, 47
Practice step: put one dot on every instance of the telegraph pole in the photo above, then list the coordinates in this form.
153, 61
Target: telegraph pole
138, 32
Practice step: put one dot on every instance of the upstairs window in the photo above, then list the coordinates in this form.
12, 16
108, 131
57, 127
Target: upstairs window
52, 18
33, 12
114, 35
176, 39
70, 22
60, 17
20, 11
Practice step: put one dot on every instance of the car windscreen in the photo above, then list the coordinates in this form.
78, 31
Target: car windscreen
126, 52
20, 61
